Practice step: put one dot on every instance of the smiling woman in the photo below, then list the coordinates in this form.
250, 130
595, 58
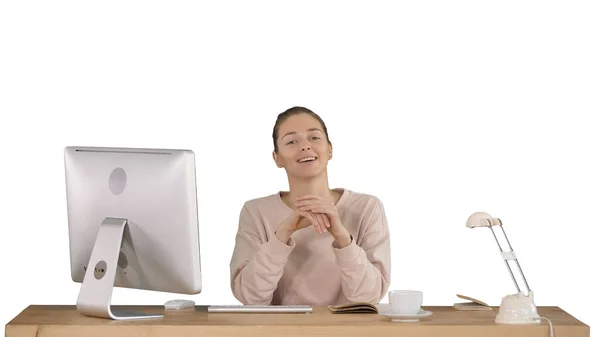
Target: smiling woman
278, 259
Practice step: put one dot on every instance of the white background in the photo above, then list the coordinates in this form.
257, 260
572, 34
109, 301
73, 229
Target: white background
439, 108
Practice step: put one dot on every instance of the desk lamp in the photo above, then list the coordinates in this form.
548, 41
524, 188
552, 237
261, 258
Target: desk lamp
516, 308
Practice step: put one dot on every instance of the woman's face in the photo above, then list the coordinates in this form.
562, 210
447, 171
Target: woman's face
303, 149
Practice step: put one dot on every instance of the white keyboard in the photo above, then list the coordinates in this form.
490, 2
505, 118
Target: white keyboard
261, 308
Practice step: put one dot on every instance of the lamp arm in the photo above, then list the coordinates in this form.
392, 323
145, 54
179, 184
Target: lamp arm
509, 256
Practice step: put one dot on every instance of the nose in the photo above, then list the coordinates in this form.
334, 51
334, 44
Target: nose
305, 146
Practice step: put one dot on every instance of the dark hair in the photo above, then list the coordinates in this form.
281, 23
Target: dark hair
291, 112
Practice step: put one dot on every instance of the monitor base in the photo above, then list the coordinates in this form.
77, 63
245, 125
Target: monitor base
96, 289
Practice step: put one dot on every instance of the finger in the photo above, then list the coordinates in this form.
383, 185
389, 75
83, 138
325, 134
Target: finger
321, 222
304, 202
319, 209
326, 220
312, 206
307, 208
311, 217
313, 220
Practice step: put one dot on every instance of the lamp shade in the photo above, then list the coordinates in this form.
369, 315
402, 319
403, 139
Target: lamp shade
481, 219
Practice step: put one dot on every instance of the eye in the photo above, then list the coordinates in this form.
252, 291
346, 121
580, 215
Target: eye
315, 137
290, 142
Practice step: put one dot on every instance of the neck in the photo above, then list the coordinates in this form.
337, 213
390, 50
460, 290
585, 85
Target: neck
318, 185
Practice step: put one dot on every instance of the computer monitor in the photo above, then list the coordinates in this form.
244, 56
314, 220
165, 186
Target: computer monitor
133, 223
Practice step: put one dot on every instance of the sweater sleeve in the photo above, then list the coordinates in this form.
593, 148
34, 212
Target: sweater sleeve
365, 268
256, 264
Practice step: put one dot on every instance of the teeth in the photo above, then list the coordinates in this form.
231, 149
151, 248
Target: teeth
306, 159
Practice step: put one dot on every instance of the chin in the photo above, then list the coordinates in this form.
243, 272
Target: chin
310, 173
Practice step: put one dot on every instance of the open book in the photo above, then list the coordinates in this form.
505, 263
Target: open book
473, 305
354, 308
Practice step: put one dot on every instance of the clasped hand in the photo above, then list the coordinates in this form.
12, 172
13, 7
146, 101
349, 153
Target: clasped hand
320, 213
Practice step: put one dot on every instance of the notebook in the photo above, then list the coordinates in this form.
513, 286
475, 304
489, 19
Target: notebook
354, 308
473, 305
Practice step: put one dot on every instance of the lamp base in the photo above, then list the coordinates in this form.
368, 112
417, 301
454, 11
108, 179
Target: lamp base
518, 309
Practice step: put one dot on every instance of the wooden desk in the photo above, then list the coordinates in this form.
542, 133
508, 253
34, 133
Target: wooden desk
54, 321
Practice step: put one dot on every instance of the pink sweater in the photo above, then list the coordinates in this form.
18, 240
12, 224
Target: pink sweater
309, 269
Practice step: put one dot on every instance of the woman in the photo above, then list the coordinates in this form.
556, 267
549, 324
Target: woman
312, 245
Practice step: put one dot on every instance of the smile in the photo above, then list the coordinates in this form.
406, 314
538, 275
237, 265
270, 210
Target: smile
306, 159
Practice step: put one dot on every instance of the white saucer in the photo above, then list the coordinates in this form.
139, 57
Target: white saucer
404, 317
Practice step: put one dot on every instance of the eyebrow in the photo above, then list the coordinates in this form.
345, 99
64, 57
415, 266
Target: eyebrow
294, 132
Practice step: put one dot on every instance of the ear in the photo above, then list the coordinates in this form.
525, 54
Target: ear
330, 151
276, 159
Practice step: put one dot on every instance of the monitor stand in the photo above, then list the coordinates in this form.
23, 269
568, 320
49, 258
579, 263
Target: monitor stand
97, 286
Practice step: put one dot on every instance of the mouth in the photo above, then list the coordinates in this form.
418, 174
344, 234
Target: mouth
306, 160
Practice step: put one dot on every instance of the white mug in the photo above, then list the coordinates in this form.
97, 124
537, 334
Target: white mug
406, 302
